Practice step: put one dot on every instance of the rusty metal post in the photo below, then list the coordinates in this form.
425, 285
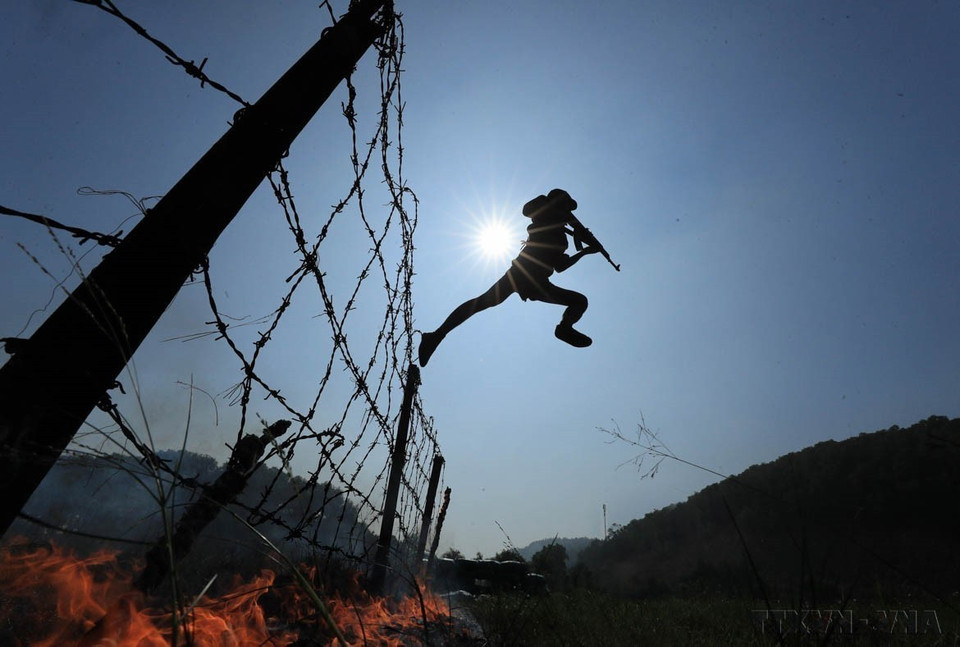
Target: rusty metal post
51, 384
428, 505
398, 461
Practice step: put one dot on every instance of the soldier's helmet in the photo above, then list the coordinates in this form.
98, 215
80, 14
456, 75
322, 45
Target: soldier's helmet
562, 199
556, 199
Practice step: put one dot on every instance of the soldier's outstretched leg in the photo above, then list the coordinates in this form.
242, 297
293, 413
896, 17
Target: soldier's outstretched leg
496, 295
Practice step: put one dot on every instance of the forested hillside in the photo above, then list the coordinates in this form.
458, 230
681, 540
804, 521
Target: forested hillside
872, 515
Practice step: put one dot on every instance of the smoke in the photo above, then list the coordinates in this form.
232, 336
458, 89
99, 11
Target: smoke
88, 503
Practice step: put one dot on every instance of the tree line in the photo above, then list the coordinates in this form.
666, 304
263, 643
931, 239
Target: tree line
871, 515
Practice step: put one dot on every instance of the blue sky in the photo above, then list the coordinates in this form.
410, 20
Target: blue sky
779, 181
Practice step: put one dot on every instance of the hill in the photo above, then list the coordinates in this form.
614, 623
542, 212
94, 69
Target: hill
866, 516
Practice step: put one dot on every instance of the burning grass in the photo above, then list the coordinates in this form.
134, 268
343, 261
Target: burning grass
51, 597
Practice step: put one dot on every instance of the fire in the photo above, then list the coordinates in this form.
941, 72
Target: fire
51, 597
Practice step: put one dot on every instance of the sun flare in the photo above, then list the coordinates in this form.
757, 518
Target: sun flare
495, 240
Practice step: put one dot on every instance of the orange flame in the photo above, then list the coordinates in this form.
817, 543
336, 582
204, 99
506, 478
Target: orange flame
50, 597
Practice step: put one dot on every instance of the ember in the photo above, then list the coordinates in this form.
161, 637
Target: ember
51, 597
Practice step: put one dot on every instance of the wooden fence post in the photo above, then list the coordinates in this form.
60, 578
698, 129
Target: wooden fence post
398, 461
52, 383
166, 552
436, 535
428, 505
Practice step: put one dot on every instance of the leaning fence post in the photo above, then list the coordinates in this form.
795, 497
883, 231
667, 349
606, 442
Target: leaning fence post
166, 552
399, 459
56, 378
436, 535
428, 505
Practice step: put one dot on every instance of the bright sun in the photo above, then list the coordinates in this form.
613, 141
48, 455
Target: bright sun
495, 240
490, 236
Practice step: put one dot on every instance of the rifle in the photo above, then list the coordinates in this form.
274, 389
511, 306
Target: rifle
583, 235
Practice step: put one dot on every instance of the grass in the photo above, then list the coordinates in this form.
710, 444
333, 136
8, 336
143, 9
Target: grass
585, 618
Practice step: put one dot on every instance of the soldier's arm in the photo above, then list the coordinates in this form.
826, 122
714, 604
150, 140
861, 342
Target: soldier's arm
565, 261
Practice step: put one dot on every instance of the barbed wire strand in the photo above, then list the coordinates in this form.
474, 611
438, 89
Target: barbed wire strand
190, 67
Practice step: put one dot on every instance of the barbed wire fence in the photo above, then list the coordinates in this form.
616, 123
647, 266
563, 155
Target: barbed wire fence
342, 489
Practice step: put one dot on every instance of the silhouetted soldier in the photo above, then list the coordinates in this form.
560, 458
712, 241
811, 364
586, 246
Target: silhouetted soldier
542, 254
